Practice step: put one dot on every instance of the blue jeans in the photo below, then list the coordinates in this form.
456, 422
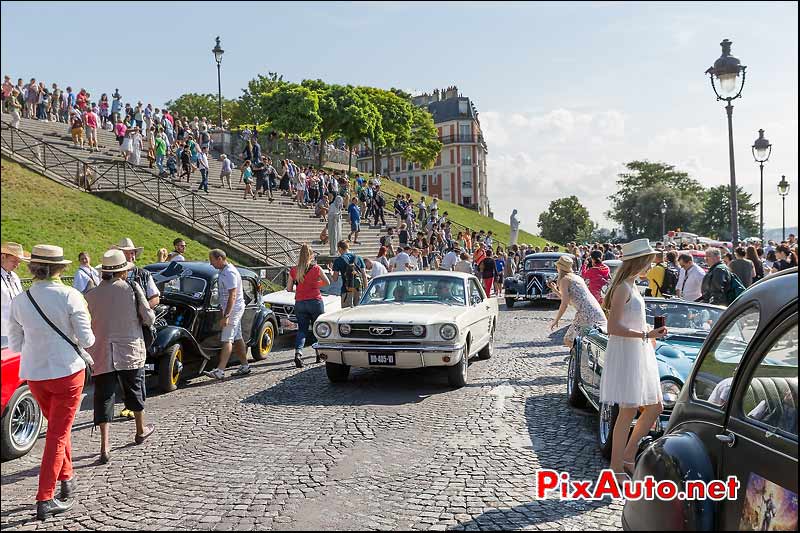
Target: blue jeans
306, 311
160, 163
203, 179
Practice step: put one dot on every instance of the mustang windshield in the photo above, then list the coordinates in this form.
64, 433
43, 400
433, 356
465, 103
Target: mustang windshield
684, 317
415, 289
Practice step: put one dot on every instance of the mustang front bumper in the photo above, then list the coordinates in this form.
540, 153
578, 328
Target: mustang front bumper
405, 355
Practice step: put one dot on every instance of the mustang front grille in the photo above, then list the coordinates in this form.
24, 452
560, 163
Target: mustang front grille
380, 331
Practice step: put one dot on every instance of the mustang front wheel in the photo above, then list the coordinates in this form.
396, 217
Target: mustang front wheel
337, 373
457, 374
510, 302
263, 346
21, 424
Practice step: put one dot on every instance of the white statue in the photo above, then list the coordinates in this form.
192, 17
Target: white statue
335, 224
514, 228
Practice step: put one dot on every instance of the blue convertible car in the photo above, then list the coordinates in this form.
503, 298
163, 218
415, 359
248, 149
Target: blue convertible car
688, 323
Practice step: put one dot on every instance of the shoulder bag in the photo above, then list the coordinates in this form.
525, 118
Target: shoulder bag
148, 332
80, 351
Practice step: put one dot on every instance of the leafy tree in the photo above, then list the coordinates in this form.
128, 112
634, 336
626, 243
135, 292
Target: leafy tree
396, 118
331, 111
250, 105
715, 218
565, 220
361, 118
203, 105
291, 109
423, 145
636, 206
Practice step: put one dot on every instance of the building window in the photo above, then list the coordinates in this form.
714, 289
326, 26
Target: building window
439, 160
452, 156
465, 133
467, 200
463, 107
424, 186
466, 155
466, 178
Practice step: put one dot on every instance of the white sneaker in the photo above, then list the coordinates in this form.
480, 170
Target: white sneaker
243, 370
216, 374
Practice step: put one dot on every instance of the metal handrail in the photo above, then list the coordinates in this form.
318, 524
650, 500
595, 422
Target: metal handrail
180, 204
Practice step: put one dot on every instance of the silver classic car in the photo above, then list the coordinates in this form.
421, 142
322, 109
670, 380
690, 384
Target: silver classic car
411, 320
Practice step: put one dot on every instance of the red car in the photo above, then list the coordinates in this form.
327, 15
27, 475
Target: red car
22, 418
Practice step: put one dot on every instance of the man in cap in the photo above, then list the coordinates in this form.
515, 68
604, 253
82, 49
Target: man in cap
10, 257
139, 275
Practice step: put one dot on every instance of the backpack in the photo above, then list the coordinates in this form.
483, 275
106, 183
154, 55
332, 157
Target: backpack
735, 288
671, 275
352, 276
362, 195
379, 200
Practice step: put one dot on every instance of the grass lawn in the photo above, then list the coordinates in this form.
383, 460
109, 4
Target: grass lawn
37, 210
462, 215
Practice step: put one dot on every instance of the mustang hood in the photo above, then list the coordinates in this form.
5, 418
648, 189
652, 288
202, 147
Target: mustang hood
392, 313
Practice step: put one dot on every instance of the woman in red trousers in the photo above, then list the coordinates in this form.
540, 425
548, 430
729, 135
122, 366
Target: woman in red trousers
53, 366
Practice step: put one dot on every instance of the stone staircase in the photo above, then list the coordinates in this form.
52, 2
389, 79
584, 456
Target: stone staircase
281, 216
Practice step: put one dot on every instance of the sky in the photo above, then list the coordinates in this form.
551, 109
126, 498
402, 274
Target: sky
567, 92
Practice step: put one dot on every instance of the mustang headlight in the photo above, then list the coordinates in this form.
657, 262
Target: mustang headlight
345, 329
418, 331
322, 330
448, 332
670, 390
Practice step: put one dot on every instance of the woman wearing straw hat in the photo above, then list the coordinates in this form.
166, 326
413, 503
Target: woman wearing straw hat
118, 309
630, 376
50, 325
573, 291
10, 257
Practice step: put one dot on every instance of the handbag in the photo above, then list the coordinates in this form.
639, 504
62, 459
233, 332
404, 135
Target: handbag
148, 332
80, 351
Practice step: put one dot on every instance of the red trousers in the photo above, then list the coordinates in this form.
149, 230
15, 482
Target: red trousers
488, 283
60, 400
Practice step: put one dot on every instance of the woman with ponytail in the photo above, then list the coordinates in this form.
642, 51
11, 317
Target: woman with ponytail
305, 280
630, 376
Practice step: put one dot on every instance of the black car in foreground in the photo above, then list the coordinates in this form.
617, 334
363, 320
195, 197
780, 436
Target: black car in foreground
187, 320
736, 416
531, 282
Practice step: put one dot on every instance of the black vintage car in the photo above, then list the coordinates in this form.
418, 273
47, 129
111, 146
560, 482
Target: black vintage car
736, 416
530, 283
689, 324
188, 334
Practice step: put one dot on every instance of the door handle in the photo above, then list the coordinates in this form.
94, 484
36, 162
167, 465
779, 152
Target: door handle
728, 438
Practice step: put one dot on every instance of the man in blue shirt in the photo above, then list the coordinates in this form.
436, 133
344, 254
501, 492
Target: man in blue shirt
355, 220
354, 279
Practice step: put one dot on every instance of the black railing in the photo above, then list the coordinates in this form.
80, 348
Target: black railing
450, 139
181, 204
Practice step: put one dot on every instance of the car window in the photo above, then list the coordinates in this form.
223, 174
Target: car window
415, 289
475, 291
214, 301
771, 395
713, 381
682, 316
249, 290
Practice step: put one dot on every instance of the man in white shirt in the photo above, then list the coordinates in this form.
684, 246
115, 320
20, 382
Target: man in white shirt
401, 262
10, 257
451, 258
690, 279
375, 268
231, 301
177, 253
86, 277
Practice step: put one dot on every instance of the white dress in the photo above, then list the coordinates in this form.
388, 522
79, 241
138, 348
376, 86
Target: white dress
630, 375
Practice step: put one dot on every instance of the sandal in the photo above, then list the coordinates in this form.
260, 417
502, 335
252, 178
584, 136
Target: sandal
629, 471
148, 430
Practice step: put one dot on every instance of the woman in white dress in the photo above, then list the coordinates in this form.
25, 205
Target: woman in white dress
630, 376
135, 154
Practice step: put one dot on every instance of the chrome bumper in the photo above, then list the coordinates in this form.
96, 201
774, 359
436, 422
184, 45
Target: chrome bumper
407, 355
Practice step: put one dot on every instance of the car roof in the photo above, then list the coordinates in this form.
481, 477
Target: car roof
546, 255
201, 269
429, 273
772, 293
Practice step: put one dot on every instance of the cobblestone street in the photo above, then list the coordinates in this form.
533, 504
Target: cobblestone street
283, 448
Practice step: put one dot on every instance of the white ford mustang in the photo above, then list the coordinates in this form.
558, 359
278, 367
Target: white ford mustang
410, 320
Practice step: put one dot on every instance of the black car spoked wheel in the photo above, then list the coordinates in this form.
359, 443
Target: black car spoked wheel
170, 368
605, 430
337, 373
260, 350
574, 395
457, 374
20, 424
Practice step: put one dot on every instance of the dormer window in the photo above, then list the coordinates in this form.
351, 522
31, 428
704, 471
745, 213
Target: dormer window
463, 107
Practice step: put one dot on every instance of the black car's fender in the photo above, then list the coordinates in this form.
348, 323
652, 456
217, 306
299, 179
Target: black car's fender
262, 316
676, 457
170, 335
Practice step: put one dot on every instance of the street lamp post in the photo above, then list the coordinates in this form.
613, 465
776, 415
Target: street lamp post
726, 70
663, 218
761, 152
218, 51
783, 192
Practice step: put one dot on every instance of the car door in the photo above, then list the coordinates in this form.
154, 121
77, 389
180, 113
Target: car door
594, 360
208, 334
251, 302
762, 436
479, 315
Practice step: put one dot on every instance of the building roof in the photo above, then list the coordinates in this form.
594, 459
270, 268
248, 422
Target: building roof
445, 110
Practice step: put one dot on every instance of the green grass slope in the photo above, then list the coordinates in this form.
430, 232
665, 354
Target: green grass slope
37, 210
466, 217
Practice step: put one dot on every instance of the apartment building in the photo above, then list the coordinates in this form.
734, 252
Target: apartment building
459, 174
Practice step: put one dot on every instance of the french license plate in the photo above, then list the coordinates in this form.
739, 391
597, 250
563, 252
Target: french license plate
381, 359
288, 324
